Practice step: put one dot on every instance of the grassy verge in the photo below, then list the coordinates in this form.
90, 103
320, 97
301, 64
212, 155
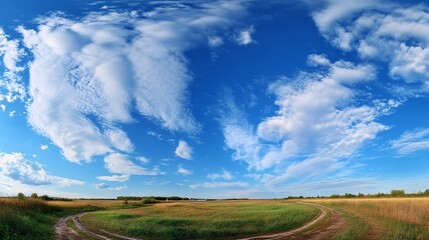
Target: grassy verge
396, 219
31, 218
356, 228
209, 220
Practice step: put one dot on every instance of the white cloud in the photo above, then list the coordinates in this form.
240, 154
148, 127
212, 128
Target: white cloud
108, 187
214, 41
224, 175
12, 113
183, 150
44, 147
245, 36
184, 171
412, 141
336, 10
11, 85
318, 60
16, 167
3, 107
115, 178
121, 164
317, 124
384, 31
221, 185
80, 65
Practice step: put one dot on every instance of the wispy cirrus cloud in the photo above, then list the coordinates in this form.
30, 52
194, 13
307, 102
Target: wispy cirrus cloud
108, 187
223, 175
115, 178
221, 185
411, 141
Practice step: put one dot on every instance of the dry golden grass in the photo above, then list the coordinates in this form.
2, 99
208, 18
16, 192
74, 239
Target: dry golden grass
87, 202
410, 210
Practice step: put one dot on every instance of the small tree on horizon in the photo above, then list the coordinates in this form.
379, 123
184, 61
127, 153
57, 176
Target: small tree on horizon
34, 195
20, 196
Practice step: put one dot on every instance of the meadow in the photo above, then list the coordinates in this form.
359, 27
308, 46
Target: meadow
34, 218
383, 218
202, 220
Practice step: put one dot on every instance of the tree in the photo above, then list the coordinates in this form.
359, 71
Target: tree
20, 196
34, 195
397, 193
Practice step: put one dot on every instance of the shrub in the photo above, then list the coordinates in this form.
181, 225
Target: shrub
149, 200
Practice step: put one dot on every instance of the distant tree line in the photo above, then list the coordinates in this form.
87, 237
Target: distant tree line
158, 198
393, 193
21, 196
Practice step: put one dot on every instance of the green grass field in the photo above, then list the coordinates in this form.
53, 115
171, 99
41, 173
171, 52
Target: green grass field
202, 220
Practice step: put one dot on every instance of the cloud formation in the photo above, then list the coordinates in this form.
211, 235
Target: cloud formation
224, 175
11, 86
221, 185
183, 150
382, 31
90, 74
317, 123
183, 171
16, 167
122, 164
412, 141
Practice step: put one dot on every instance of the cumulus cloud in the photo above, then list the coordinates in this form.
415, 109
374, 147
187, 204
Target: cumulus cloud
412, 141
3, 107
221, 185
384, 31
115, 178
44, 147
184, 171
12, 113
122, 164
16, 167
11, 86
183, 150
89, 74
316, 125
245, 36
223, 175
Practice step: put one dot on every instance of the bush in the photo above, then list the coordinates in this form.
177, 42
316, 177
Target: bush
20, 196
149, 200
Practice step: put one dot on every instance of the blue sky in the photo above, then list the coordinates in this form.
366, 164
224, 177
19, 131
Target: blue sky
214, 99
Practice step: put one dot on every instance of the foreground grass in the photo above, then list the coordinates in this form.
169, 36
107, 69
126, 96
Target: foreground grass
399, 218
33, 218
206, 220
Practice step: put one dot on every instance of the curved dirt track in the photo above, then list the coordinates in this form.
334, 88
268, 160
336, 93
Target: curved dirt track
328, 223
324, 226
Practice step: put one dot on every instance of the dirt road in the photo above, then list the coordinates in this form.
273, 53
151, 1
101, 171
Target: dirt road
324, 226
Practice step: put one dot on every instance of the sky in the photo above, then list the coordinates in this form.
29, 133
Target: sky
213, 99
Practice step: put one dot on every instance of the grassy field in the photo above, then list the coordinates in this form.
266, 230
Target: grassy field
33, 218
202, 220
398, 218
